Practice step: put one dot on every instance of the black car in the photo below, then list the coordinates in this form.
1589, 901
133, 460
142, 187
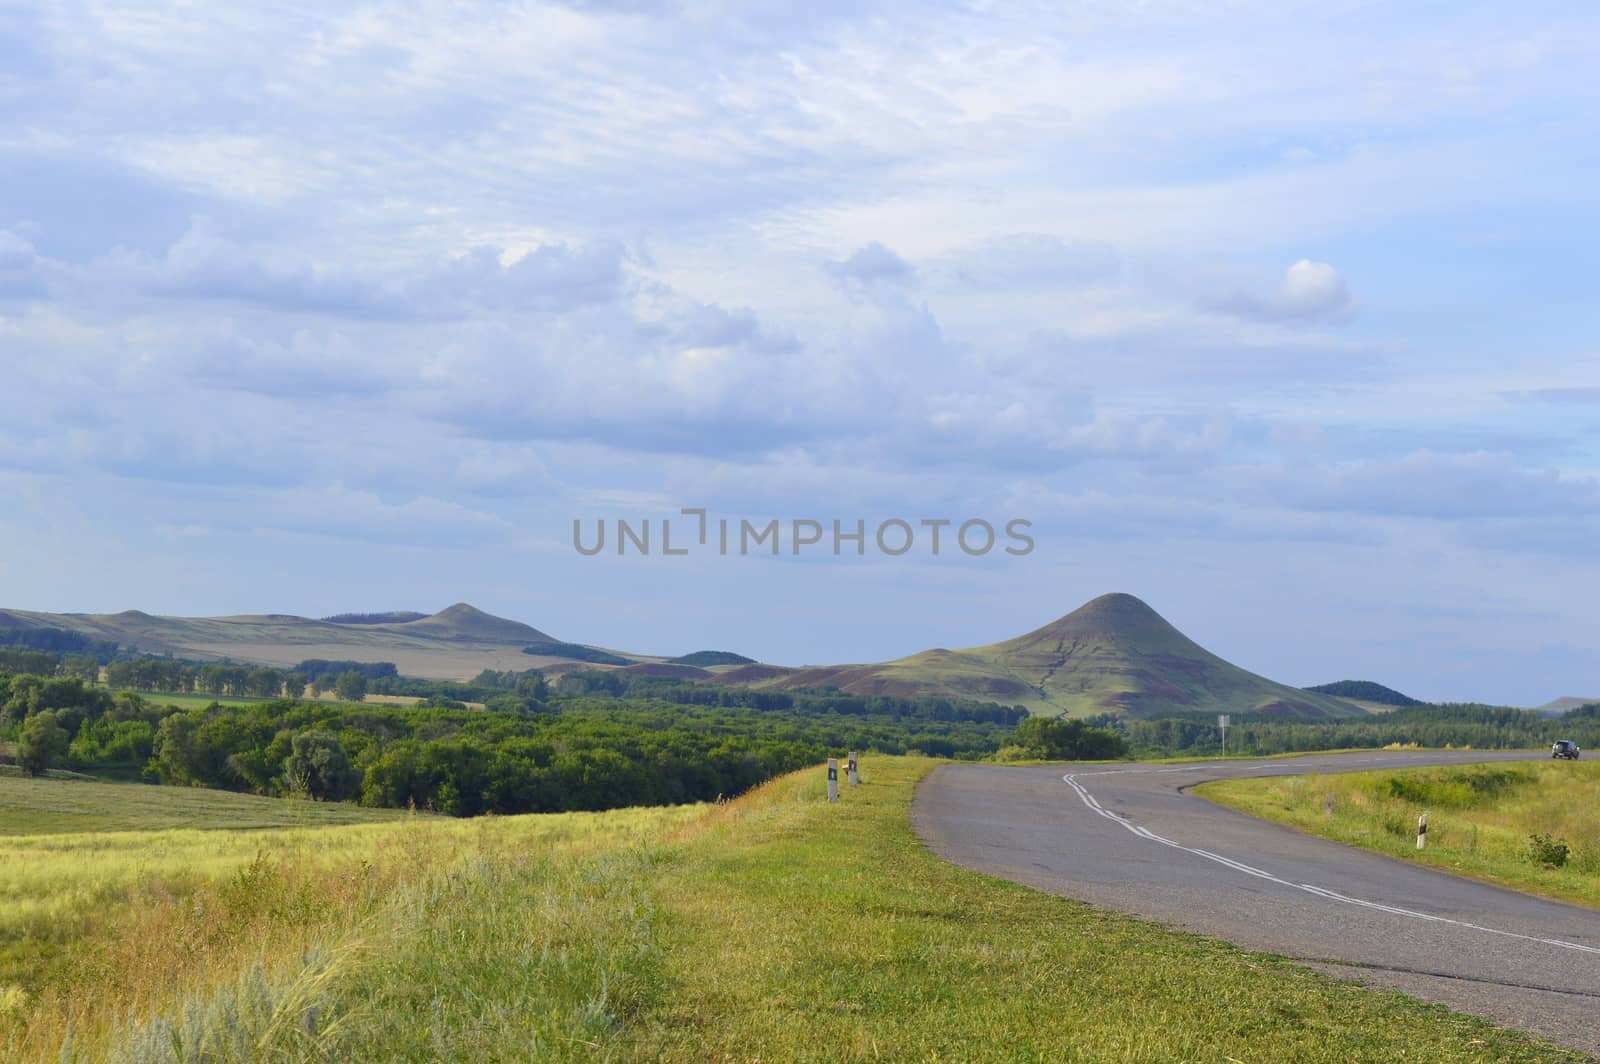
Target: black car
1564, 748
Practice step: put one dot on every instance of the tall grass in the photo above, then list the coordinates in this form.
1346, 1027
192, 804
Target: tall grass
1480, 817
140, 939
774, 927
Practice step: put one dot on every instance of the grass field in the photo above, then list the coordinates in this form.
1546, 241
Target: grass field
48, 806
1480, 818
774, 927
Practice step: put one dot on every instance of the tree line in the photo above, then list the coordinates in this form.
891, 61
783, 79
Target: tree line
572, 754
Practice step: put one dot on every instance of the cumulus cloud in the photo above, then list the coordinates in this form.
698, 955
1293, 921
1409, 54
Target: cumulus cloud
205, 264
1309, 292
872, 264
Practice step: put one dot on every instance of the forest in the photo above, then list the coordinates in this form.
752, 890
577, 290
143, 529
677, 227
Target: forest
535, 754
596, 739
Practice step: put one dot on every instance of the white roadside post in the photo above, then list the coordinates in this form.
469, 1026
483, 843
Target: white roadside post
851, 772
1422, 830
833, 779
1222, 722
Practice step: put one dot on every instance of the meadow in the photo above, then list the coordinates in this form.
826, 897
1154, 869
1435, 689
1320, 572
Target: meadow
1481, 818
773, 927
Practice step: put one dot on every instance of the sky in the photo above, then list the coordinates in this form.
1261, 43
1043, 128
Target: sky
1280, 316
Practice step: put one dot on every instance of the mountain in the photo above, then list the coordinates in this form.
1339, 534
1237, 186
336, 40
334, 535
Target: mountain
455, 643
1112, 655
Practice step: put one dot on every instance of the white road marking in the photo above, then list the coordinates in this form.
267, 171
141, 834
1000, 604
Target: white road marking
1322, 892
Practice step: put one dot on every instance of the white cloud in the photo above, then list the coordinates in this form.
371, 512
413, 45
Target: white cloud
1309, 292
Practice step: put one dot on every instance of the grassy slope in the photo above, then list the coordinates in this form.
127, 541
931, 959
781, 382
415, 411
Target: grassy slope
1479, 818
1113, 654
49, 806
776, 927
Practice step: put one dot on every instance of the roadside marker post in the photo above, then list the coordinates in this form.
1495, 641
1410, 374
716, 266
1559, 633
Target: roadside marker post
852, 773
1222, 722
833, 779
1422, 830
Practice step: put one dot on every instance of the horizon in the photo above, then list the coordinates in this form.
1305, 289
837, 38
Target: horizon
1293, 339
427, 615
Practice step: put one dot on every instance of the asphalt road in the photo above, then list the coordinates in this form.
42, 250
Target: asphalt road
1129, 838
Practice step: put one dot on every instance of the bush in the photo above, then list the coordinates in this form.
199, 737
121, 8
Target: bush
41, 743
1056, 739
1544, 850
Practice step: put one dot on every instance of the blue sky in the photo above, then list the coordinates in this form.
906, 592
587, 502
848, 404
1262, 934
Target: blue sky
1280, 316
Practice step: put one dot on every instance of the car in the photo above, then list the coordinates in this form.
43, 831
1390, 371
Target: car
1564, 748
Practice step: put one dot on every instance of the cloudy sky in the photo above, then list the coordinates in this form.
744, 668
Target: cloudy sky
1279, 315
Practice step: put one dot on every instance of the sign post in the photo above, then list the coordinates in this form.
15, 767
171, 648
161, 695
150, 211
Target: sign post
833, 779
851, 772
1222, 722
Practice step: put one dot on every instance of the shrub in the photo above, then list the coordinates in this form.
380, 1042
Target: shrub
1544, 850
41, 743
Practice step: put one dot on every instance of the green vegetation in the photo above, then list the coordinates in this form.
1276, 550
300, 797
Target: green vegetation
575, 651
41, 743
1475, 726
1112, 655
1530, 826
524, 755
1055, 739
1366, 691
776, 927
392, 617
55, 806
707, 658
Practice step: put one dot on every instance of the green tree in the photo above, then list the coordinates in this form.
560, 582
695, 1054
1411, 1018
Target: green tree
318, 768
41, 743
1057, 739
351, 687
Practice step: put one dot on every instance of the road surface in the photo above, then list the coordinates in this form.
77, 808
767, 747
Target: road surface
1129, 838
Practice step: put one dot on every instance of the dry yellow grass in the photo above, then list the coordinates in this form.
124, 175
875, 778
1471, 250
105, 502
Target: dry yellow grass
100, 928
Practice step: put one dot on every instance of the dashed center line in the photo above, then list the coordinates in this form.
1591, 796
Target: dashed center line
1071, 779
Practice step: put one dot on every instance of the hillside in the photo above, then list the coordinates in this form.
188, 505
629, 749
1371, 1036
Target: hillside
1562, 706
1112, 655
1365, 691
455, 643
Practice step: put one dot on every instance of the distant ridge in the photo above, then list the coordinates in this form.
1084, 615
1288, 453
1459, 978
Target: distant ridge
1562, 706
392, 617
1366, 691
456, 643
462, 621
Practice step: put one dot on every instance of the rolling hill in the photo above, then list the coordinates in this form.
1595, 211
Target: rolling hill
455, 643
1112, 655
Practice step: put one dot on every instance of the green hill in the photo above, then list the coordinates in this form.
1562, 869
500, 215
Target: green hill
1112, 655
1366, 691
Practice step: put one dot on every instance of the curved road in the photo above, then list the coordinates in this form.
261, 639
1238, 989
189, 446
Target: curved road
1129, 838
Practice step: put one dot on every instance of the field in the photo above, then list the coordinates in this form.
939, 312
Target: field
46, 807
1480, 818
773, 927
